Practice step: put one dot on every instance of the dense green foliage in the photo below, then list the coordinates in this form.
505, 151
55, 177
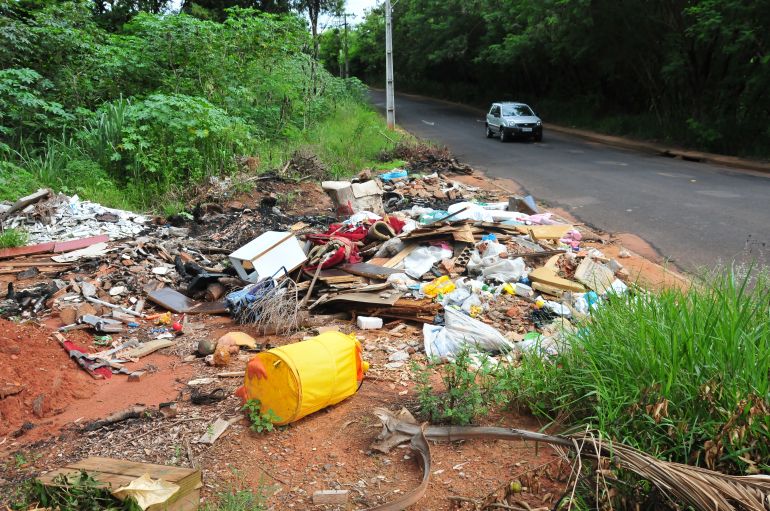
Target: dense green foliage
679, 374
162, 102
689, 71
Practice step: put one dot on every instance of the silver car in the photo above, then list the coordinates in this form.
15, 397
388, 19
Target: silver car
510, 119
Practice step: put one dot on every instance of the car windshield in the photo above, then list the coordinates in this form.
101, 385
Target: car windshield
517, 110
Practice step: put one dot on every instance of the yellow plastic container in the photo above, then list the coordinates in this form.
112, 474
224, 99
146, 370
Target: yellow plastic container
301, 378
441, 285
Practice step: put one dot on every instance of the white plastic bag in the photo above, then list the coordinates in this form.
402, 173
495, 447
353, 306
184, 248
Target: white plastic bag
461, 331
505, 270
420, 261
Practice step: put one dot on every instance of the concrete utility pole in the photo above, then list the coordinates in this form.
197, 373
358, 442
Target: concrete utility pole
390, 106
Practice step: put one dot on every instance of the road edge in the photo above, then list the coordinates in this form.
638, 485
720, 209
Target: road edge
627, 143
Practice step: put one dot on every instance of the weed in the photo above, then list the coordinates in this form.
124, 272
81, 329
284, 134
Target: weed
240, 498
13, 238
261, 422
469, 390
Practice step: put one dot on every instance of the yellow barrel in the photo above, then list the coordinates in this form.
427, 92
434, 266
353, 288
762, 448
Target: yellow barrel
301, 378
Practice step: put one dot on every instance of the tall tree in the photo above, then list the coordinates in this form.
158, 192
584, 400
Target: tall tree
216, 9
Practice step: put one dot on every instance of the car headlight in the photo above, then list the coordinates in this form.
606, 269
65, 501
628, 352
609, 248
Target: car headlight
539, 123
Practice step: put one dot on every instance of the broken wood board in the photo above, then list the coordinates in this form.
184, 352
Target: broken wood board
423, 311
41, 248
594, 275
147, 348
215, 430
396, 259
175, 301
371, 271
547, 275
366, 298
26, 201
116, 473
545, 232
69, 246
459, 232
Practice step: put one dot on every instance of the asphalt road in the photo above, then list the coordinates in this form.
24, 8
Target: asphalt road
695, 215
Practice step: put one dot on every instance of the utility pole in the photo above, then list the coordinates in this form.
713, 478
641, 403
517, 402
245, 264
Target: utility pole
345, 48
389, 95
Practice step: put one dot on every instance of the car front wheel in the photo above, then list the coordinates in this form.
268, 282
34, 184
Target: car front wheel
504, 137
539, 137
489, 132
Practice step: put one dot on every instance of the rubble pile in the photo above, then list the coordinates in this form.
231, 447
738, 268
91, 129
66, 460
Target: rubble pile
413, 262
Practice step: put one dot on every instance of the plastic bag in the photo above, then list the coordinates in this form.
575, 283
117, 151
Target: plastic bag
505, 270
401, 282
442, 285
421, 260
461, 331
147, 491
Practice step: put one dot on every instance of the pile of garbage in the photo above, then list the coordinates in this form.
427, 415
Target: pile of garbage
494, 276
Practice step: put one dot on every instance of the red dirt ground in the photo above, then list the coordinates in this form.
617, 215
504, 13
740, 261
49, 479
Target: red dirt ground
31, 358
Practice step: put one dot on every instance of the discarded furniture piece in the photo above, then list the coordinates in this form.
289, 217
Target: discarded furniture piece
267, 255
301, 378
355, 197
116, 473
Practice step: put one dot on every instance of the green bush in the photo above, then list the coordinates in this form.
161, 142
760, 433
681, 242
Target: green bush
469, 390
170, 140
680, 374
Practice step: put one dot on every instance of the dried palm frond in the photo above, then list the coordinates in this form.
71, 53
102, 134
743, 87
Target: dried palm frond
704, 490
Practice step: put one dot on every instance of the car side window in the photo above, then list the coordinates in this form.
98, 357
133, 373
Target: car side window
495, 111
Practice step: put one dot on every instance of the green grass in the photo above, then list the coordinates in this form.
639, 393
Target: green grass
10, 238
352, 138
679, 374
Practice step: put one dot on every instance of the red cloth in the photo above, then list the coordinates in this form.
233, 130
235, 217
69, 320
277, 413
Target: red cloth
339, 231
395, 223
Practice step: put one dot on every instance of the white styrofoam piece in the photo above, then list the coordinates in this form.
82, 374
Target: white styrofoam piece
368, 322
268, 253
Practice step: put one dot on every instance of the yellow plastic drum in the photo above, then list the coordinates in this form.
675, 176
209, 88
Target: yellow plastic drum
301, 378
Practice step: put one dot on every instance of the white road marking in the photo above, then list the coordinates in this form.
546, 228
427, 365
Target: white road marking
428, 123
609, 162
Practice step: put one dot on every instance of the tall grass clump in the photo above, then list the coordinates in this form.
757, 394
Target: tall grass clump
681, 374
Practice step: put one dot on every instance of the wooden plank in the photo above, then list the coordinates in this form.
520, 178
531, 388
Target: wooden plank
368, 270
41, 248
545, 232
69, 246
366, 298
117, 473
148, 347
396, 259
214, 431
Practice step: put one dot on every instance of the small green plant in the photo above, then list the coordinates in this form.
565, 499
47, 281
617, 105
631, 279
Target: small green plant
469, 390
74, 492
13, 238
260, 422
240, 498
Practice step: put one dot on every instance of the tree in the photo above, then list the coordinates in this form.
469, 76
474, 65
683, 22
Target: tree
216, 9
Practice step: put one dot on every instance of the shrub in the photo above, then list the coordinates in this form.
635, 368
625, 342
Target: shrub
468, 390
